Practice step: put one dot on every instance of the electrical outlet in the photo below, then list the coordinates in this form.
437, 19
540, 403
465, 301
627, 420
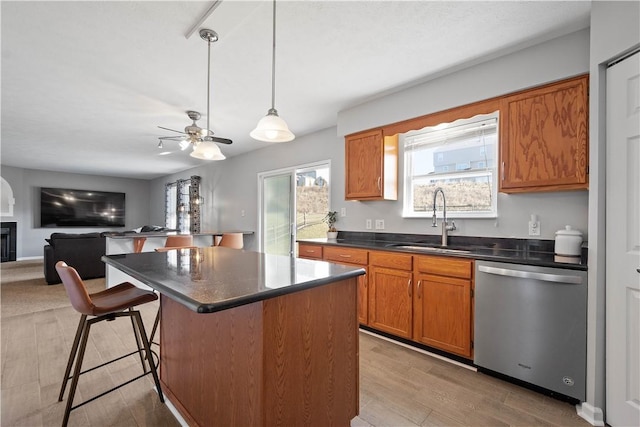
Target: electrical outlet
379, 224
368, 224
343, 212
534, 228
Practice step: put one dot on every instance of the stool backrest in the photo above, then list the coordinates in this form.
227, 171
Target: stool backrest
77, 292
232, 240
179, 241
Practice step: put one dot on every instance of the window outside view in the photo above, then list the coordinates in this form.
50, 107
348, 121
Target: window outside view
312, 202
460, 158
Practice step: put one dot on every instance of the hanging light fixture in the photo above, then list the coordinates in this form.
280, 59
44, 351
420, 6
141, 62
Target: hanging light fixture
271, 128
205, 148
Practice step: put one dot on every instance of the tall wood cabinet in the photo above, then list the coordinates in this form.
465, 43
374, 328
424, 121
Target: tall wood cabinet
371, 166
544, 138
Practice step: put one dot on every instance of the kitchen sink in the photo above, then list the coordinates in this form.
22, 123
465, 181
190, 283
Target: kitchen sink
426, 248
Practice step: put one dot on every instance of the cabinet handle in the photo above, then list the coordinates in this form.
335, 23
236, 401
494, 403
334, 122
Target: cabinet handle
409, 288
419, 288
311, 251
379, 179
503, 171
345, 256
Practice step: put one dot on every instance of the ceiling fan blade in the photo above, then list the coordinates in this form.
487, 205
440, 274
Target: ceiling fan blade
221, 140
172, 130
171, 138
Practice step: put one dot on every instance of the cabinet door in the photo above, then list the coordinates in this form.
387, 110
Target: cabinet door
544, 138
371, 166
357, 258
442, 313
390, 293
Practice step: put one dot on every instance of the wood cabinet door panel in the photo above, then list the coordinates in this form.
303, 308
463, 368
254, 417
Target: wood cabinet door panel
390, 301
363, 163
442, 313
544, 138
309, 251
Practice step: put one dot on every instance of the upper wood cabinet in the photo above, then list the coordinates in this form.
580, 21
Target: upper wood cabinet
544, 138
371, 166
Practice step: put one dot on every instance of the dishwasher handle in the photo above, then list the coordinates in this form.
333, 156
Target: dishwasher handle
545, 277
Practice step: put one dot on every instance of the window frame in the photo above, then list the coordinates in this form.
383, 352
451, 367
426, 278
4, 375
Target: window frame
410, 178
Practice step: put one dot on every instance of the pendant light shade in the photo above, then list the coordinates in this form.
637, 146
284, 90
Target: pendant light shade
207, 150
272, 128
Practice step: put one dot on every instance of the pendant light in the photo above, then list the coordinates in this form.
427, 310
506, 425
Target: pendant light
207, 149
271, 128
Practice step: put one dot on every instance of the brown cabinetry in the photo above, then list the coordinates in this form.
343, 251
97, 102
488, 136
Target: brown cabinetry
354, 257
544, 138
442, 303
391, 293
371, 166
309, 251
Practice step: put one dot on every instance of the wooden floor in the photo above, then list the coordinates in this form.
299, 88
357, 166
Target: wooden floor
398, 386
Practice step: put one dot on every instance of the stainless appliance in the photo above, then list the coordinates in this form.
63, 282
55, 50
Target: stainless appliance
531, 324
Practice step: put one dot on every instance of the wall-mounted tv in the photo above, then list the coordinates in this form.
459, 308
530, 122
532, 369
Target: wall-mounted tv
63, 207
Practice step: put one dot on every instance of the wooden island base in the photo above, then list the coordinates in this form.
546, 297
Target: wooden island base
291, 360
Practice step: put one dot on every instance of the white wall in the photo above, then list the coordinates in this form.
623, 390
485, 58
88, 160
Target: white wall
26, 183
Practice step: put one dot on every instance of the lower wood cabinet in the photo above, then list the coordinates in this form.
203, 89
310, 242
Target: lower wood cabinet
391, 293
423, 298
442, 304
357, 258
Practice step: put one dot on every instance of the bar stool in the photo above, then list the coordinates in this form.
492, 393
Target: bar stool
182, 241
232, 240
117, 301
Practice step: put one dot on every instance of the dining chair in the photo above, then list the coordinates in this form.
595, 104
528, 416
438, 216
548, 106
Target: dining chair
232, 240
180, 241
113, 302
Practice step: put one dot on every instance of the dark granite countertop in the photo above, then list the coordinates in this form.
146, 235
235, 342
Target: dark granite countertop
132, 234
510, 250
212, 279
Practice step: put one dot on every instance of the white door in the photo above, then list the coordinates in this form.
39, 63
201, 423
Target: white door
623, 244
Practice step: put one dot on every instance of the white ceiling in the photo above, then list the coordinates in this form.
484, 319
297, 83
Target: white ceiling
86, 83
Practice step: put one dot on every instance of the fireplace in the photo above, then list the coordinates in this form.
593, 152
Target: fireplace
8, 241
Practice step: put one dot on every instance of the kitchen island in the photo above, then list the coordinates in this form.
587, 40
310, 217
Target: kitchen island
253, 339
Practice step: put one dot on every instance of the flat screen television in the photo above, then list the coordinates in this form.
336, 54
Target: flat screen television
63, 207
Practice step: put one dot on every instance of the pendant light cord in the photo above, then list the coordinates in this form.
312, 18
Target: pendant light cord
208, 81
273, 61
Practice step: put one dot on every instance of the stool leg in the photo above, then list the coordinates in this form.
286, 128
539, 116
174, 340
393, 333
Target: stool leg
77, 370
147, 349
155, 325
137, 336
72, 355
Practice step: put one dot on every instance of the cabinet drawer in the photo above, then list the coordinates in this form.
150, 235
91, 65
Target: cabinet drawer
444, 266
350, 255
391, 260
309, 251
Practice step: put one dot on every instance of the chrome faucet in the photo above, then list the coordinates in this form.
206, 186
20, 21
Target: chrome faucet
445, 227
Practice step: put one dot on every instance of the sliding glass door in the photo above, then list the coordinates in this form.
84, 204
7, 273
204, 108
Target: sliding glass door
293, 202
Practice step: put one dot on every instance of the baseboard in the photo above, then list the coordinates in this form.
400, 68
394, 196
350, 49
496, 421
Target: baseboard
30, 258
590, 414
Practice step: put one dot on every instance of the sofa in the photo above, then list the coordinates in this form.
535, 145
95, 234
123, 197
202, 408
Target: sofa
80, 251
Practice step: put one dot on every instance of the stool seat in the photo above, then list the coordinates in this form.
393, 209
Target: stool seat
118, 298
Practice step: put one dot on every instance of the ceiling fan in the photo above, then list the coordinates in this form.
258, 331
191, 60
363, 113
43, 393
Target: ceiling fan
201, 139
192, 133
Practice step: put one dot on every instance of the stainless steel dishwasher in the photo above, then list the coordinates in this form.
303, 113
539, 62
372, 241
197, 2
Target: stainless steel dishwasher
531, 324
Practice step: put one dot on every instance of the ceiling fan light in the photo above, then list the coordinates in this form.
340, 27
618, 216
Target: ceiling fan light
207, 150
184, 143
271, 128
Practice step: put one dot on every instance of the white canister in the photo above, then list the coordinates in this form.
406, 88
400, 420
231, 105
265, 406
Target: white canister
568, 242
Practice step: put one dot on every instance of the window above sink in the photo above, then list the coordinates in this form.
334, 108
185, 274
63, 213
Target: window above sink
461, 158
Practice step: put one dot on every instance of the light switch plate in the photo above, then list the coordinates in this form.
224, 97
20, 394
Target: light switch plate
379, 224
368, 224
